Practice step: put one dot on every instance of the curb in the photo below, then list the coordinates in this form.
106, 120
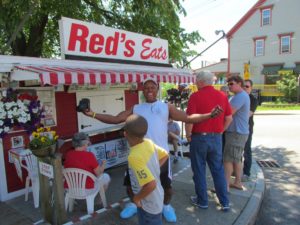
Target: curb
250, 211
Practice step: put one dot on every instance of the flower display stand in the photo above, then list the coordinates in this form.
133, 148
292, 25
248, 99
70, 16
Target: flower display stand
51, 189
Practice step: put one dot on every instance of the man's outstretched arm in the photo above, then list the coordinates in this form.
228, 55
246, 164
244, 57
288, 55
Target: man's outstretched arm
179, 115
110, 119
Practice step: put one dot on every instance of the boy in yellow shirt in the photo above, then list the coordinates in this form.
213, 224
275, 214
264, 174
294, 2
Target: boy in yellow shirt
144, 161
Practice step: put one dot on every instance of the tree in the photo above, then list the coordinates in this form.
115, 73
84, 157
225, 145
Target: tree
30, 27
288, 85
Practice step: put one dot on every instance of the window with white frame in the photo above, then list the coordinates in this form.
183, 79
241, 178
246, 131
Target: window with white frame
266, 17
259, 47
285, 44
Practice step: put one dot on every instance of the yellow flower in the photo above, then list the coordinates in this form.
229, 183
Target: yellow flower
43, 139
53, 133
41, 129
55, 137
35, 134
48, 129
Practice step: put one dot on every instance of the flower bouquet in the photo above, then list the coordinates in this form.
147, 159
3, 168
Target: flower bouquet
43, 142
19, 110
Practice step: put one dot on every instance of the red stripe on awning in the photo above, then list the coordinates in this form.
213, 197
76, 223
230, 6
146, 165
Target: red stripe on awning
103, 78
122, 78
92, 79
130, 78
53, 78
80, 78
68, 78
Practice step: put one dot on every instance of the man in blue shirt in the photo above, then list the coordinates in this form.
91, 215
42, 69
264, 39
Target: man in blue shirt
237, 133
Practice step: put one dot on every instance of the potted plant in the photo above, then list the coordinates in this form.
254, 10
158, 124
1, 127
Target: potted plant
43, 142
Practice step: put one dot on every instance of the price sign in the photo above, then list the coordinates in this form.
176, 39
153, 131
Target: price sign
46, 169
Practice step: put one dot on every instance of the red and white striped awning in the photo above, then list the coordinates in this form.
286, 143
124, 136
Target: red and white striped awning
54, 75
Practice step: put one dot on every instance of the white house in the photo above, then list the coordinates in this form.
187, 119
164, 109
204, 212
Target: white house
265, 41
267, 38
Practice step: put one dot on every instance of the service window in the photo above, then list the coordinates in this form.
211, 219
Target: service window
108, 102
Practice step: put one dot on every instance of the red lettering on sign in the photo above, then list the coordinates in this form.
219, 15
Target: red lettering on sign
111, 46
129, 46
156, 53
96, 43
79, 34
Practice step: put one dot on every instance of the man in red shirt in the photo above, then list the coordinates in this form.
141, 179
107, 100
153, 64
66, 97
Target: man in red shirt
206, 140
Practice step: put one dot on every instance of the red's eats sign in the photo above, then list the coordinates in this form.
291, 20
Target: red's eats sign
87, 39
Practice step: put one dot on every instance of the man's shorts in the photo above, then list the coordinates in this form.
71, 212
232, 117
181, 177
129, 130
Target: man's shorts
165, 176
234, 147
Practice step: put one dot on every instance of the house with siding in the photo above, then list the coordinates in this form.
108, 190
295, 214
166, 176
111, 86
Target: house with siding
267, 38
265, 42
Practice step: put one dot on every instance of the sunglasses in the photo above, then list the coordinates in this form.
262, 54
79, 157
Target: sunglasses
247, 86
230, 84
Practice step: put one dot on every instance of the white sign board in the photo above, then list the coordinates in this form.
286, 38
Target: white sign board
114, 151
80, 38
46, 169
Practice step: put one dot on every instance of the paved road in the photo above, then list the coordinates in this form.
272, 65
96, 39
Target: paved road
276, 137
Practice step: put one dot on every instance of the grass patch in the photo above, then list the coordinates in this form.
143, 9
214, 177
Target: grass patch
278, 107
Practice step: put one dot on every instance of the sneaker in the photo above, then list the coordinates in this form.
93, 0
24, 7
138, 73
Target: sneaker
129, 211
169, 214
194, 201
225, 208
246, 178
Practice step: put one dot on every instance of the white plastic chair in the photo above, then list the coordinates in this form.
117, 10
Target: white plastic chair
31, 165
76, 180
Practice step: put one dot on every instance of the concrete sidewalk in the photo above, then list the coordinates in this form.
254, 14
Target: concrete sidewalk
244, 204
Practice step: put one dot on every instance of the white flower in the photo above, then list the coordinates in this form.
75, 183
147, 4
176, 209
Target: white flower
1, 123
1, 130
9, 115
6, 129
35, 110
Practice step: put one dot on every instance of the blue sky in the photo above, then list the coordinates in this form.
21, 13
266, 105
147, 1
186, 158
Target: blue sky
206, 16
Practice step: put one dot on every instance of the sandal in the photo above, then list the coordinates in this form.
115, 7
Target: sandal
236, 187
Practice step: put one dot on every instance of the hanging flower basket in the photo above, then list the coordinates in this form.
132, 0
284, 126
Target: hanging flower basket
21, 111
44, 151
43, 142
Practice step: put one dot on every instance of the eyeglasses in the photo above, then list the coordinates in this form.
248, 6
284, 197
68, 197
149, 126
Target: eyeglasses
230, 84
247, 86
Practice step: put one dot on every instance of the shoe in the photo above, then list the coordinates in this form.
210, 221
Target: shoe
225, 208
129, 211
169, 214
246, 178
194, 201
175, 160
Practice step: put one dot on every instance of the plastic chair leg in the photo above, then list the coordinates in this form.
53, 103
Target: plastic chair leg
27, 188
71, 204
181, 150
103, 196
90, 204
36, 192
66, 201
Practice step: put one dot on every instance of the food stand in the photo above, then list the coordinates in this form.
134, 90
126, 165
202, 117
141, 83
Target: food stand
112, 85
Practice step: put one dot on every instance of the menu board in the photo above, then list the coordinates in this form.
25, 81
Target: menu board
114, 152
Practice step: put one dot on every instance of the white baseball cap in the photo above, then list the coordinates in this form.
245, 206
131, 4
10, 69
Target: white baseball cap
150, 79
